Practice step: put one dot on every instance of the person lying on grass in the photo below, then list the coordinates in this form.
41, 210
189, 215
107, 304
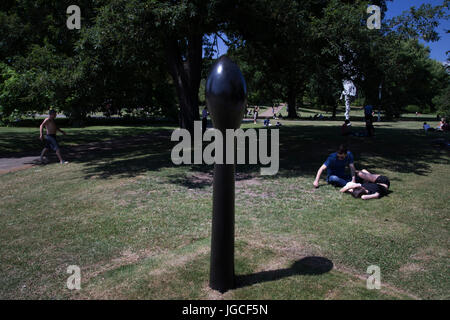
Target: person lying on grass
366, 176
50, 138
335, 166
374, 186
365, 191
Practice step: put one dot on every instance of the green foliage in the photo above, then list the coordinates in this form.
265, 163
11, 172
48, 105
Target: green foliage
420, 22
36, 82
442, 101
80, 72
145, 56
8, 77
412, 108
407, 74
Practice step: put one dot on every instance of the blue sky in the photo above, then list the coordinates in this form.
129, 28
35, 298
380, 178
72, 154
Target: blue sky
438, 48
395, 8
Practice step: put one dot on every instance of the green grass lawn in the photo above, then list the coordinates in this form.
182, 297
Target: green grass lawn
139, 226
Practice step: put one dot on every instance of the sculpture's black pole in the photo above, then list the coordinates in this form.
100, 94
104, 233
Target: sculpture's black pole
226, 95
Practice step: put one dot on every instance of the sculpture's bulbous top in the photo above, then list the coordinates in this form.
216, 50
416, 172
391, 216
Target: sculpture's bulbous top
226, 94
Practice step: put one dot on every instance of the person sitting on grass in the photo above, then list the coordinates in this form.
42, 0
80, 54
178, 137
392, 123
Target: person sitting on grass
427, 127
50, 138
335, 165
443, 125
365, 191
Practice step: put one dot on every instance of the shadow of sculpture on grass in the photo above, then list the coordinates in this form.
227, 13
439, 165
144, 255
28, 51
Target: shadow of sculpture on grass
305, 266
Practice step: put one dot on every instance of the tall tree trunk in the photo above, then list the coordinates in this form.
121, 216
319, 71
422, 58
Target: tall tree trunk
291, 99
300, 103
186, 76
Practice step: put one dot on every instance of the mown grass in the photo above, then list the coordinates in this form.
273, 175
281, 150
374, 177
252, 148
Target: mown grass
139, 226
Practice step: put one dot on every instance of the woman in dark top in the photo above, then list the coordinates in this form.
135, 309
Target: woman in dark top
374, 178
365, 191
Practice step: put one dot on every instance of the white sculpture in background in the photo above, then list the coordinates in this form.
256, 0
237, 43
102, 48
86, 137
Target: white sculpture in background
350, 74
373, 22
348, 93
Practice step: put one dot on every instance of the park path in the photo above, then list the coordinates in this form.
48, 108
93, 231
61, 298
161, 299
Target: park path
14, 164
269, 114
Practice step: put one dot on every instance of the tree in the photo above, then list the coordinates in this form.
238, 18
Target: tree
174, 30
122, 64
276, 36
39, 48
395, 58
442, 100
391, 56
139, 55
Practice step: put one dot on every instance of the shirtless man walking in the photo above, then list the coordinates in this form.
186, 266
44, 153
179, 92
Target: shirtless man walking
50, 138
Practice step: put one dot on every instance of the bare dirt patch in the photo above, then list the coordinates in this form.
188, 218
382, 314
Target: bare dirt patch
213, 294
127, 257
197, 180
173, 261
411, 267
200, 178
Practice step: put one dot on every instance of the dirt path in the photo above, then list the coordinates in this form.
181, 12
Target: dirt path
269, 114
15, 164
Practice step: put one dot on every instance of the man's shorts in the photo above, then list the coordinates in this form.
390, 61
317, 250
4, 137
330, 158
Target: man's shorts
51, 143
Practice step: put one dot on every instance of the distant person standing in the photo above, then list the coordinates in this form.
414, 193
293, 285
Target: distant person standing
255, 114
368, 112
204, 119
370, 128
368, 116
50, 137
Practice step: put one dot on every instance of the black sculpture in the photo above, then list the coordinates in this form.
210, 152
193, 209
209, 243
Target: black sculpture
226, 96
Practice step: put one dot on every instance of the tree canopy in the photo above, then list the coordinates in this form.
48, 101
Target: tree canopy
149, 57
